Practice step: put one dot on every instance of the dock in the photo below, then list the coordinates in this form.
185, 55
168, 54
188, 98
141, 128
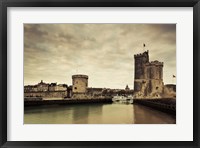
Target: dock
40, 101
167, 105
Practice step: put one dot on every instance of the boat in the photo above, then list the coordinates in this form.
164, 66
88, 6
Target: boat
123, 99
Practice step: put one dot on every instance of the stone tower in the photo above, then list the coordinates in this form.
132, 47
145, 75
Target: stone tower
148, 81
80, 83
79, 86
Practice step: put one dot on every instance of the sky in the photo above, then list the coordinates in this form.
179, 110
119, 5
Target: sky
104, 52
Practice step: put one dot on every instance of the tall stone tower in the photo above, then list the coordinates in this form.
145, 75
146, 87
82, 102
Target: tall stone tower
148, 81
79, 86
80, 83
140, 62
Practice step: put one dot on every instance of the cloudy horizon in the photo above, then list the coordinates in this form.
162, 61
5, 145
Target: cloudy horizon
104, 52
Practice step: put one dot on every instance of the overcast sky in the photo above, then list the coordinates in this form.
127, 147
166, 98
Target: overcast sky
104, 52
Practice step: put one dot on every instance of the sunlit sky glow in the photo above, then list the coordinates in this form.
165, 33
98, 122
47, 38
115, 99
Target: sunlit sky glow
104, 52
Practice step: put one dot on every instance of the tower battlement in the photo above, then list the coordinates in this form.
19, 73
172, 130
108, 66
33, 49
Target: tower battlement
156, 63
79, 76
141, 54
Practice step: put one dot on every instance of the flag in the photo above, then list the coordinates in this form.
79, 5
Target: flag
144, 45
174, 76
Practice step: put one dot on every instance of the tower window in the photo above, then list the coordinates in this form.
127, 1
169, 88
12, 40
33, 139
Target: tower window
75, 87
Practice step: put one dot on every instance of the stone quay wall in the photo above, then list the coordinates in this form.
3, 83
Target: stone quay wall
47, 94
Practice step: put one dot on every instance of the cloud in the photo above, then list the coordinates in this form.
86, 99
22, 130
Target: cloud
54, 52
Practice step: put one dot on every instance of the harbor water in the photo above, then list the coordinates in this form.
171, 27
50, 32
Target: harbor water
114, 113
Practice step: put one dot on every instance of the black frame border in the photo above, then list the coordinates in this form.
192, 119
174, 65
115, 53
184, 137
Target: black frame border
4, 4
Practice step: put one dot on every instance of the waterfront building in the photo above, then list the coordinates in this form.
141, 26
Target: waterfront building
127, 88
46, 90
42, 86
59, 87
52, 86
94, 91
69, 91
30, 88
148, 81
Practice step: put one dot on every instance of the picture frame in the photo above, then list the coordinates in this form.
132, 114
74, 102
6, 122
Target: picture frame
99, 3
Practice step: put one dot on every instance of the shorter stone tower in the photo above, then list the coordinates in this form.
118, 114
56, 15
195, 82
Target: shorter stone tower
148, 82
79, 86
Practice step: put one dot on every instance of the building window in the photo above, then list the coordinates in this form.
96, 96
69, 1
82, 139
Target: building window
75, 87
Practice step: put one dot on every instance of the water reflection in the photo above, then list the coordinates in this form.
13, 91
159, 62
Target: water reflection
146, 115
87, 114
94, 114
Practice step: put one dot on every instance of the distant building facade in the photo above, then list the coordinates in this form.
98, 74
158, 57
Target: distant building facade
95, 91
30, 88
127, 88
46, 90
42, 86
59, 87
